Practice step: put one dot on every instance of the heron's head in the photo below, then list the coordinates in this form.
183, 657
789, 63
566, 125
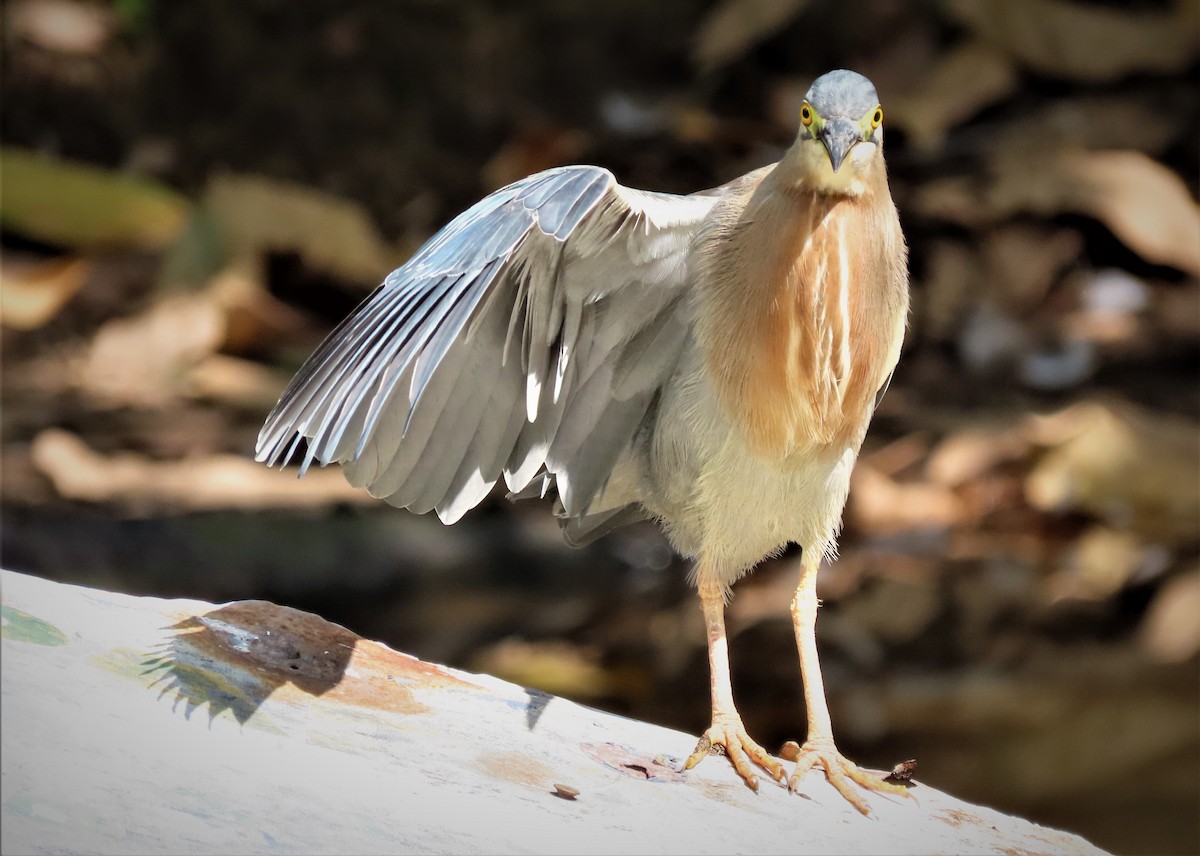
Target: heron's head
841, 132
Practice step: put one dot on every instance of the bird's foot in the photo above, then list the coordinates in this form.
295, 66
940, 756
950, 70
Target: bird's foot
840, 772
727, 736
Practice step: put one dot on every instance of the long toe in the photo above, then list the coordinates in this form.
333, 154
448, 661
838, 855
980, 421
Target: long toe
729, 737
843, 774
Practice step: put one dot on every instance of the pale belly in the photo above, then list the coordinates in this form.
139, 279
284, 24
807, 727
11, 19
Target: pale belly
717, 499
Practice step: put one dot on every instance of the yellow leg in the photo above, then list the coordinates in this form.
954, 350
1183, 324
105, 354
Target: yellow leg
819, 749
727, 730
804, 622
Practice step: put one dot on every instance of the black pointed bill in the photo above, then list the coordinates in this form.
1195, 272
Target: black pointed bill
839, 136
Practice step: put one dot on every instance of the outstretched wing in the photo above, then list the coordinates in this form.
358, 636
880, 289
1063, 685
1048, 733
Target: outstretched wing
528, 337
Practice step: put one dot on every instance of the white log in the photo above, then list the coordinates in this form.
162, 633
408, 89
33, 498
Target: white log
141, 725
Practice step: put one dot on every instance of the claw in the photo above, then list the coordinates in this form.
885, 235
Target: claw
704, 748
729, 737
841, 773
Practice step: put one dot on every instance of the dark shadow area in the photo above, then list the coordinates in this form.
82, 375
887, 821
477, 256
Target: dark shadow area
538, 702
234, 657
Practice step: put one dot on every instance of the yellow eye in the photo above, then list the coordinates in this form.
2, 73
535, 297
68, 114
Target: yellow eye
806, 115
877, 118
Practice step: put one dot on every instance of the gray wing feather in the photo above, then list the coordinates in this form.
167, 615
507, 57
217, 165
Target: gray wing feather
579, 531
527, 338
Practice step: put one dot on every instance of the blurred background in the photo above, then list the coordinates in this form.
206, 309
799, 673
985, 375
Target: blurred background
195, 193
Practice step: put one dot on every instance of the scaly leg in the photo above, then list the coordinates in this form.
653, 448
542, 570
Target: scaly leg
819, 749
727, 730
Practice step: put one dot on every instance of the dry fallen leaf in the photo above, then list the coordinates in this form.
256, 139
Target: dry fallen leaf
969, 78
967, 454
232, 380
1081, 41
1146, 206
898, 455
879, 505
144, 359
63, 26
258, 215
734, 26
253, 316
1143, 203
141, 485
84, 207
1129, 467
1170, 631
1102, 562
31, 293
1083, 121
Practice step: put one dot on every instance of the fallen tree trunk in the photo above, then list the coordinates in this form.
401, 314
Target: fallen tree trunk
135, 724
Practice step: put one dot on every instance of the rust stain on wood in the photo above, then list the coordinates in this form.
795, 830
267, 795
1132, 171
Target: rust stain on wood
516, 767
